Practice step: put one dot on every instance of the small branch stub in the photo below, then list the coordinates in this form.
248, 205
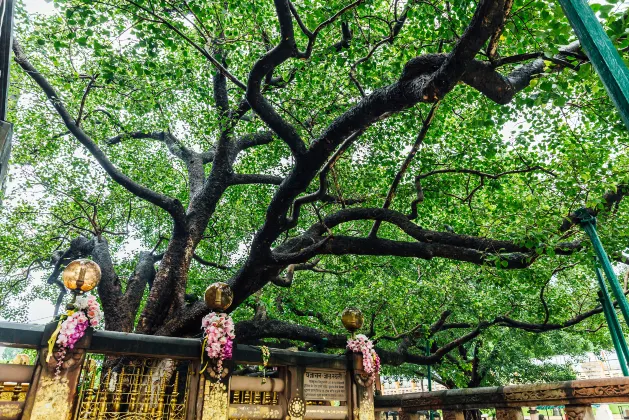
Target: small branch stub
219, 296
81, 276
352, 319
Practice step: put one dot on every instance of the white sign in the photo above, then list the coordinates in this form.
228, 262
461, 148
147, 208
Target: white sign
325, 385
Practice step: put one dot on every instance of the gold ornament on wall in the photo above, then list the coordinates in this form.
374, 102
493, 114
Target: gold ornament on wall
81, 275
352, 319
219, 296
296, 407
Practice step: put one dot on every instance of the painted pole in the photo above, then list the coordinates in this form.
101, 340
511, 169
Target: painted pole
613, 331
429, 375
6, 129
6, 41
602, 54
588, 223
609, 307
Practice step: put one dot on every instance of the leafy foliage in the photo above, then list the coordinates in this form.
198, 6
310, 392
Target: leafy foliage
509, 172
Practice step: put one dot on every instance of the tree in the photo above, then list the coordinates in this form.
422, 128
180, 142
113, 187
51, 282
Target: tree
421, 159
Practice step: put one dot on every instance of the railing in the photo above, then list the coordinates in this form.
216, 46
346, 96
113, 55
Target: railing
576, 396
15, 380
116, 375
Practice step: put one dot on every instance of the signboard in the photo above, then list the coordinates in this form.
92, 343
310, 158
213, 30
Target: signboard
325, 385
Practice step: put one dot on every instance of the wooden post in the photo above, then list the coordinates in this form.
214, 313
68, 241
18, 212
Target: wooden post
296, 407
363, 407
52, 397
193, 391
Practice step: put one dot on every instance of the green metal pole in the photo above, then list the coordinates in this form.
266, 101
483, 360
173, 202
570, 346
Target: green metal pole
613, 331
431, 415
612, 320
588, 222
604, 57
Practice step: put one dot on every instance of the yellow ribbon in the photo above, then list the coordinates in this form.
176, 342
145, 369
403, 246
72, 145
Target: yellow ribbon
53, 340
203, 354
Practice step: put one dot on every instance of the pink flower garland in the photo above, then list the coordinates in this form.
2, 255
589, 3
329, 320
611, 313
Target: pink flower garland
371, 361
87, 313
219, 333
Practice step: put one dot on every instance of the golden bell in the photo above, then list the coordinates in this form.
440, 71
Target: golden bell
81, 275
219, 296
352, 319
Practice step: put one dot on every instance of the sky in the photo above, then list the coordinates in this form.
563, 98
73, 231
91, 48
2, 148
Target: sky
39, 6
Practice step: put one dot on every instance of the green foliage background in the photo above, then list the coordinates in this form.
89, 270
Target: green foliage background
150, 80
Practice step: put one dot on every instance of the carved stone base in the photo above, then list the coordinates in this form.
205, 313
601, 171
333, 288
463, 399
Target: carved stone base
579, 412
509, 414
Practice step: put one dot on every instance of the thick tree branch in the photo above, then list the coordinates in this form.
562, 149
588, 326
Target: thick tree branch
492, 47
265, 65
239, 179
253, 139
143, 275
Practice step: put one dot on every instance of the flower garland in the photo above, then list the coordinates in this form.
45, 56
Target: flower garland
371, 361
219, 338
72, 326
266, 355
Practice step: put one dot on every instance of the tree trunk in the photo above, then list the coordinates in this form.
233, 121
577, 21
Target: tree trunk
167, 294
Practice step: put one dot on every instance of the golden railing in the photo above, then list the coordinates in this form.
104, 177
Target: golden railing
13, 391
14, 385
140, 390
254, 398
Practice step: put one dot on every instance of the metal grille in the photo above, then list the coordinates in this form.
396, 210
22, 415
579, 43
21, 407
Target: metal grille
254, 398
141, 389
12, 391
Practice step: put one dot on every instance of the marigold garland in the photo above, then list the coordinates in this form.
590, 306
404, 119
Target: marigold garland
266, 355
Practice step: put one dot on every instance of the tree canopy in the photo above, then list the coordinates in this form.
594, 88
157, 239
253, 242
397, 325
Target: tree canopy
421, 160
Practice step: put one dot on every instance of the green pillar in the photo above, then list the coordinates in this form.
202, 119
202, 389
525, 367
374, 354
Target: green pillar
588, 223
601, 52
613, 331
618, 338
429, 375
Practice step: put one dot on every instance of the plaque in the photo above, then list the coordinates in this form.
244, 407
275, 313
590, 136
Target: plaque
325, 385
